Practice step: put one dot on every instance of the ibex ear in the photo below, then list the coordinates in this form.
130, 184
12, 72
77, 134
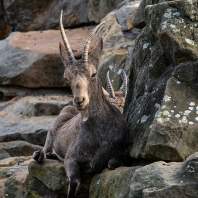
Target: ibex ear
63, 54
96, 53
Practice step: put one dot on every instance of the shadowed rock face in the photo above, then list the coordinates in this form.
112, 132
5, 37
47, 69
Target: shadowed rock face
44, 15
161, 107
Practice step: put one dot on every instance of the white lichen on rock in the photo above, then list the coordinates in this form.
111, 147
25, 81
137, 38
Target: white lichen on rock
163, 107
187, 112
119, 72
111, 67
166, 113
174, 28
150, 126
184, 119
145, 45
157, 105
171, 12
167, 98
191, 108
144, 118
164, 26
167, 15
162, 120
98, 182
192, 1
190, 42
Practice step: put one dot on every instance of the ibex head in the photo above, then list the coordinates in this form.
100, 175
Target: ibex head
81, 74
118, 98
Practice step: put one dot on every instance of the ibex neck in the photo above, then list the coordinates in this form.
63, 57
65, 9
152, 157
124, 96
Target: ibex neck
98, 104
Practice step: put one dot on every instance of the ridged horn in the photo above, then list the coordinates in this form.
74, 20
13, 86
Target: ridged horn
124, 84
65, 41
109, 87
87, 42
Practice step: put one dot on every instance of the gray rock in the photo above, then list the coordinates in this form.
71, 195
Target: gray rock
20, 123
30, 60
139, 19
14, 186
99, 9
45, 15
159, 179
49, 179
162, 99
18, 148
126, 13
112, 183
118, 36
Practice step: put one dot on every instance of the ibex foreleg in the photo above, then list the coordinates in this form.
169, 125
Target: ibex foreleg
73, 173
39, 155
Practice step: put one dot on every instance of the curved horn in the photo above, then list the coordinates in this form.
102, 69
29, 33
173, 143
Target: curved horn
109, 87
87, 42
65, 41
124, 84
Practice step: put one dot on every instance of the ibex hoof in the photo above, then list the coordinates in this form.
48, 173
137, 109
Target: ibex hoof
38, 156
51, 156
114, 163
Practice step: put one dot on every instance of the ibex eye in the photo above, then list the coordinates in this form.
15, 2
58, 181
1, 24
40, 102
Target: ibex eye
93, 75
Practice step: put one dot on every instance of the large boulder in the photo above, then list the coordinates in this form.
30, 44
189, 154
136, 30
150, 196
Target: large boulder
118, 35
47, 179
139, 19
162, 103
32, 59
159, 179
17, 148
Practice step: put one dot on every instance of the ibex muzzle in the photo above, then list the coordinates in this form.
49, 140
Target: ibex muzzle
80, 92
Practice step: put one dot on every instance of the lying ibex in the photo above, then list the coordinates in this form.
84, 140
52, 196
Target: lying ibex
118, 98
92, 134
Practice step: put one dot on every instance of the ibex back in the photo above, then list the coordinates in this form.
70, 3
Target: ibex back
92, 133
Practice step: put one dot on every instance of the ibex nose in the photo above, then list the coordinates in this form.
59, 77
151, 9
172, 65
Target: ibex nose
78, 100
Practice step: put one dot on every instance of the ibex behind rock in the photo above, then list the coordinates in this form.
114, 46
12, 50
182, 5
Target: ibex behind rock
92, 134
117, 98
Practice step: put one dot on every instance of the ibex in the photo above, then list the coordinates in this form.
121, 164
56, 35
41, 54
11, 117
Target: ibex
118, 98
92, 134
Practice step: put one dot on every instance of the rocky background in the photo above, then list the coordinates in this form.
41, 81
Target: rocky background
155, 42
